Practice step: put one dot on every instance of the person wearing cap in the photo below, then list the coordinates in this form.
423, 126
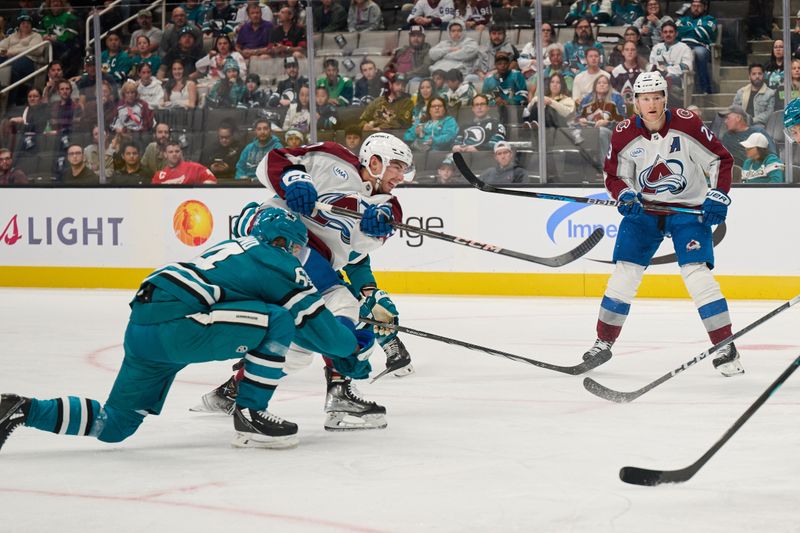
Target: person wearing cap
340, 89
253, 153
87, 81
171, 35
185, 52
457, 51
458, 93
370, 85
761, 165
293, 138
497, 43
211, 64
253, 37
329, 16
432, 13
287, 38
289, 87
14, 45
756, 98
738, 129
447, 173
116, 61
506, 86
146, 28
506, 170
228, 91
389, 111
413, 60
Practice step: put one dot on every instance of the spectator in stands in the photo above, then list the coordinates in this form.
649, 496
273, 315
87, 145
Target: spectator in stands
15, 45
228, 91
497, 43
595, 11
370, 86
364, 15
171, 35
298, 12
437, 77
145, 55
293, 139
24, 7
506, 170
64, 114
456, 52
477, 14
185, 53
780, 101
298, 116
211, 64
195, 11
287, 38
326, 111
555, 53
8, 174
458, 92
219, 20
179, 92
155, 153
631, 35
425, 91
91, 152
414, 60
146, 28
437, 133
115, 60
88, 103
254, 97
289, 87
737, 130
447, 174
149, 88
584, 81
180, 172
340, 89
329, 16
222, 157
649, 25
583, 40
32, 122
672, 58
624, 74
87, 81
132, 172
761, 165
254, 152
559, 106
132, 113
433, 14
78, 172
506, 86
602, 107
55, 73
391, 111
353, 139
482, 132
62, 29
253, 37
242, 17
756, 98
773, 70
699, 31
527, 58
625, 12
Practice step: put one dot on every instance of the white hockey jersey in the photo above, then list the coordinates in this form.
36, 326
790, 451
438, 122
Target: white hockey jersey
675, 59
442, 12
674, 166
334, 171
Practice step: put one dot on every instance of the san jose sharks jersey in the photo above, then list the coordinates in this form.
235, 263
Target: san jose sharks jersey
335, 173
675, 165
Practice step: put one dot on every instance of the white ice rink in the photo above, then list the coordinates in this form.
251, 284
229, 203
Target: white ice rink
474, 443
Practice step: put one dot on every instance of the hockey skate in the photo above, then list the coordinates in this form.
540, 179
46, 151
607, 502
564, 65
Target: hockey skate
220, 400
345, 409
599, 346
13, 413
398, 360
262, 429
728, 362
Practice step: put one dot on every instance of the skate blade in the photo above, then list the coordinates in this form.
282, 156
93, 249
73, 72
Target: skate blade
252, 440
213, 407
348, 422
405, 371
734, 368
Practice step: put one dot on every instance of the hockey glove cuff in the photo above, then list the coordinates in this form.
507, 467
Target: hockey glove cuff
715, 207
377, 220
299, 192
379, 306
630, 204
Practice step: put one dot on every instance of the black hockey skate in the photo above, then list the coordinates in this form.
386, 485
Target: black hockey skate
13, 413
728, 362
262, 429
220, 400
345, 409
398, 360
599, 347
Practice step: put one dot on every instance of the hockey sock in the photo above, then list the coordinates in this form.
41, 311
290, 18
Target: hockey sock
263, 367
69, 415
708, 298
616, 303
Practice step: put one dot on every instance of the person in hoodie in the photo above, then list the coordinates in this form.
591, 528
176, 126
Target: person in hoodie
414, 60
370, 85
254, 152
432, 14
497, 43
456, 51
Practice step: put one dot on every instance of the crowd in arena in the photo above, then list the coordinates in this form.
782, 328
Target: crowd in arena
224, 81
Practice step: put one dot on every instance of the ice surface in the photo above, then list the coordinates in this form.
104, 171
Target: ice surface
474, 443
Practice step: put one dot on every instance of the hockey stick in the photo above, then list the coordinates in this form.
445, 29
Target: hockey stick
624, 397
557, 261
650, 478
485, 187
585, 366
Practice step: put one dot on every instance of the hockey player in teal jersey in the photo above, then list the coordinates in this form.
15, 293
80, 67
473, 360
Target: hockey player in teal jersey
248, 297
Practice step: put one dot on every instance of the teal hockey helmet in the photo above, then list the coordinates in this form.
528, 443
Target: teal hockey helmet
274, 222
791, 120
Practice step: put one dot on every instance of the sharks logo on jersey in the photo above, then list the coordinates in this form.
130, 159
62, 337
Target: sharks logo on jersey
475, 135
665, 175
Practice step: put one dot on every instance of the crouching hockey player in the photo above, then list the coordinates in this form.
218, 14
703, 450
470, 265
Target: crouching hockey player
667, 157
331, 174
245, 296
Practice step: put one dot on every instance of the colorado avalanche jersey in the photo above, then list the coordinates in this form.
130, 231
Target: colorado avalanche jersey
335, 172
675, 165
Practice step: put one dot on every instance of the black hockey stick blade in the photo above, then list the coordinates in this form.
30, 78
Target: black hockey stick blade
647, 477
557, 261
581, 368
476, 182
624, 397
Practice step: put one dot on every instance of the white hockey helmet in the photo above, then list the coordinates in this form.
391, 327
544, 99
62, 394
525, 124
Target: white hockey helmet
650, 82
387, 148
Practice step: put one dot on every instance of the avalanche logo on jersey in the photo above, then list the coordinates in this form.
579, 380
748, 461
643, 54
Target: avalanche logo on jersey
342, 225
666, 175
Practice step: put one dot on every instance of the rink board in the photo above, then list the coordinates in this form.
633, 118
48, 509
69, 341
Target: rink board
56, 238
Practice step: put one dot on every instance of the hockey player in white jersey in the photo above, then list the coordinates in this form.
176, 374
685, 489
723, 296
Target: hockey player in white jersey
666, 157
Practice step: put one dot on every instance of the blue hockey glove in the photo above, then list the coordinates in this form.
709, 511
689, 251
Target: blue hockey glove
299, 192
379, 306
715, 207
630, 204
377, 221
